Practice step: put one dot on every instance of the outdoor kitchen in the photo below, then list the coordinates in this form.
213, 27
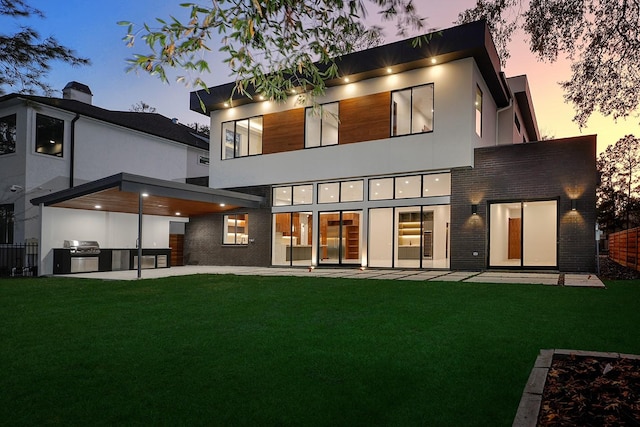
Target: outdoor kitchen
84, 256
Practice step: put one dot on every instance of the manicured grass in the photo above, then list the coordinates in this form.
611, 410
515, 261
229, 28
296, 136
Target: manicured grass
233, 350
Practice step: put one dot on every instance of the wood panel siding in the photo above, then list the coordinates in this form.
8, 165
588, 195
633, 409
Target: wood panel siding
365, 118
283, 131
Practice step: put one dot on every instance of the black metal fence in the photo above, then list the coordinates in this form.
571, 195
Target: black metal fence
19, 260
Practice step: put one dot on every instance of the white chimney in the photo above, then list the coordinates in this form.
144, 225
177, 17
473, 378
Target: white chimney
77, 91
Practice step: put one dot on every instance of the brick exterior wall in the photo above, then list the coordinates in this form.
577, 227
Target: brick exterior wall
562, 169
203, 236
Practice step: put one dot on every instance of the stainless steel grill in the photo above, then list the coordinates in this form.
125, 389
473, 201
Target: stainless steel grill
84, 255
82, 247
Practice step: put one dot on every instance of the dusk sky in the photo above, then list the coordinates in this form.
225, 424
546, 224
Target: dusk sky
89, 27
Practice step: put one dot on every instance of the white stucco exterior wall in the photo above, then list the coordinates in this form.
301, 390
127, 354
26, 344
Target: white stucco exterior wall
449, 145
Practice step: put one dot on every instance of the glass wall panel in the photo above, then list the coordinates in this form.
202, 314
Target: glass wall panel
351, 191
422, 109
381, 189
281, 196
539, 232
281, 239
401, 112
380, 252
302, 237
329, 238
436, 185
505, 234
228, 140
350, 251
408, 226
408, 186
329, 192
242, 138
303, 194
312, 127
330, 121
255, 139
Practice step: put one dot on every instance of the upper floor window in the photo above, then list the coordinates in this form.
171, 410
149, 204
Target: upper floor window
321, 125
241, 138
8, 134
293, 195
412, 110
478, 106
49, 135
6, 223
236, 229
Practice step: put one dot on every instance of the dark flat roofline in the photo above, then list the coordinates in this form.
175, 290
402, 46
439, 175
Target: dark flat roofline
154, 187
472, 40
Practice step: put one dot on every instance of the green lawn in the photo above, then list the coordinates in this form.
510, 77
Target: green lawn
233, 350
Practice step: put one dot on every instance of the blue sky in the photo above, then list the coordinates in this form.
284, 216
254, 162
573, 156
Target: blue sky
89, 27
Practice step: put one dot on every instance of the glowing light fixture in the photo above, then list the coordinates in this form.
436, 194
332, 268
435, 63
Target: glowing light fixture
474, 209
433, 60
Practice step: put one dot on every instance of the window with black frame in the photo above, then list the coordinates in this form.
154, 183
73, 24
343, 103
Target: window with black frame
412, 110
6, 224
49, 135
8, 134
242, 138
321, 125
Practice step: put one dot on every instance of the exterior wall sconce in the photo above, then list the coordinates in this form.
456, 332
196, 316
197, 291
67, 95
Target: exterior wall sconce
573, 204
474, 209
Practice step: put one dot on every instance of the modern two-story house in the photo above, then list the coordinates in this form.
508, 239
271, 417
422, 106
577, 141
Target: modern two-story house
51, 144
424, 157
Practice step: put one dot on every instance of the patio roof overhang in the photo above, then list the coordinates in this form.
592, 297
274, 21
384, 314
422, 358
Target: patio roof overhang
121, 192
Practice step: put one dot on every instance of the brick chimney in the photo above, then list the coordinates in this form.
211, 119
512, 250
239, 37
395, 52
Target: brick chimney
77, 91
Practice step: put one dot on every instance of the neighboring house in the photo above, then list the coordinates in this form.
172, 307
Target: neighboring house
414, 158
51, 144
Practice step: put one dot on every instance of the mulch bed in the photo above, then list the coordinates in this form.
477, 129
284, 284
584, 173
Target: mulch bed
591, 391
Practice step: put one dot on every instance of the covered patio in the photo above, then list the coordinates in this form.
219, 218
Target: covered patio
123, 209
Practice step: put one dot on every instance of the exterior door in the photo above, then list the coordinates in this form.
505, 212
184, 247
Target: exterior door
339, 237
515, 238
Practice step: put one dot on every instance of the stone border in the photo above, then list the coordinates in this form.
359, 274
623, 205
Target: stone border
529, 407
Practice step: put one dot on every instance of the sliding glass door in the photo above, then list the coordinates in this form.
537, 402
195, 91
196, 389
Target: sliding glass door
339, 237
523, 234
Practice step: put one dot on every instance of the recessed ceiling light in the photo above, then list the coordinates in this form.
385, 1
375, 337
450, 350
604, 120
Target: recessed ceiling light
433, 60
261, 97
437, 179
222, 205
389, 70
406, 182
145, 195
98, 207
426, 189
226, 104
346, 79
178, 214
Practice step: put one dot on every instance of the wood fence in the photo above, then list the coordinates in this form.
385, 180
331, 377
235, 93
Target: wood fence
623, 248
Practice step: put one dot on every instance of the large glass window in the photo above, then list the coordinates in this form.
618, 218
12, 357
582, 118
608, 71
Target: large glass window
241, 138
236, 229
8, 134
438, 184
6, 223
292, 241
329, 192
49, 135
478, 106
412, 110
406, 187
321, 125
523, 234
381, 189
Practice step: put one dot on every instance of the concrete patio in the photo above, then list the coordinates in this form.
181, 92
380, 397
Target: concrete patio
543, 278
